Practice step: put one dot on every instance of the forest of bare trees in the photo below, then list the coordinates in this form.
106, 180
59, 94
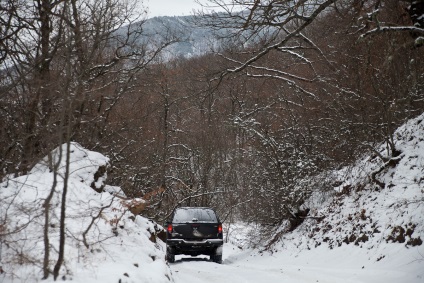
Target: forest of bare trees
295, 88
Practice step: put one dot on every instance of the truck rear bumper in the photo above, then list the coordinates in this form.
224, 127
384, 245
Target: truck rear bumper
188, 247
206, 242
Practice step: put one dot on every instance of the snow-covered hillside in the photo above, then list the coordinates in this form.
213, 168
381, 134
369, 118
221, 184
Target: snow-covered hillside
104, 241
374, 216
377, 202
380, 199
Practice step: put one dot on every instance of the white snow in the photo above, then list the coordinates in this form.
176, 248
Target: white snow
289, 263
119, 249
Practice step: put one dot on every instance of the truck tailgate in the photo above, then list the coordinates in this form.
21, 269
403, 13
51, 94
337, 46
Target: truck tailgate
194, 231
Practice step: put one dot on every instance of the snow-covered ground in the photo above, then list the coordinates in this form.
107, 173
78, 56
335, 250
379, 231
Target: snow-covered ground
345, 264
104, 241
370, 228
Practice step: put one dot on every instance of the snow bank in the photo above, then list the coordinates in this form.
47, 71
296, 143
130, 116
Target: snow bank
104, 241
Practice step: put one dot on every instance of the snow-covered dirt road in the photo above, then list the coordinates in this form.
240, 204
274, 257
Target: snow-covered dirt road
348, 265
200, 269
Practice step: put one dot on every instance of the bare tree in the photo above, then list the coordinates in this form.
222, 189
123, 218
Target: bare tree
63, 72
265, 27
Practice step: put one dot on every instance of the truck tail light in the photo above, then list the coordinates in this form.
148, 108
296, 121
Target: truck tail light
169, 228
219, 228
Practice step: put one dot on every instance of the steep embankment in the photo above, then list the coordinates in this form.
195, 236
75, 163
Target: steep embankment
375, 214
104, 241
377, 201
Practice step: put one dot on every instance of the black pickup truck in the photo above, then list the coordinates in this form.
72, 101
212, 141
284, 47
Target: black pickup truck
194, 231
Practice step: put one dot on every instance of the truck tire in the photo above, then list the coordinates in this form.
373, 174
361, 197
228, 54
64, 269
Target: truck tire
170, 257
216, 258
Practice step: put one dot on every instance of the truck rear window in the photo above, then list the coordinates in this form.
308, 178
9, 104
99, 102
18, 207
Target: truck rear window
184, 215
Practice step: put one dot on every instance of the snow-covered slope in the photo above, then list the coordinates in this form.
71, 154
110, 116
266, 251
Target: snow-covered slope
376, 201
375, 215
104, 241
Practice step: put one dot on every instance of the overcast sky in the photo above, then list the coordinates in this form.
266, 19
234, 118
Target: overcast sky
170, 7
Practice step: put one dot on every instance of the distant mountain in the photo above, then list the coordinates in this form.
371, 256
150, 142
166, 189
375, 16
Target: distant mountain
191, 40
194, 40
